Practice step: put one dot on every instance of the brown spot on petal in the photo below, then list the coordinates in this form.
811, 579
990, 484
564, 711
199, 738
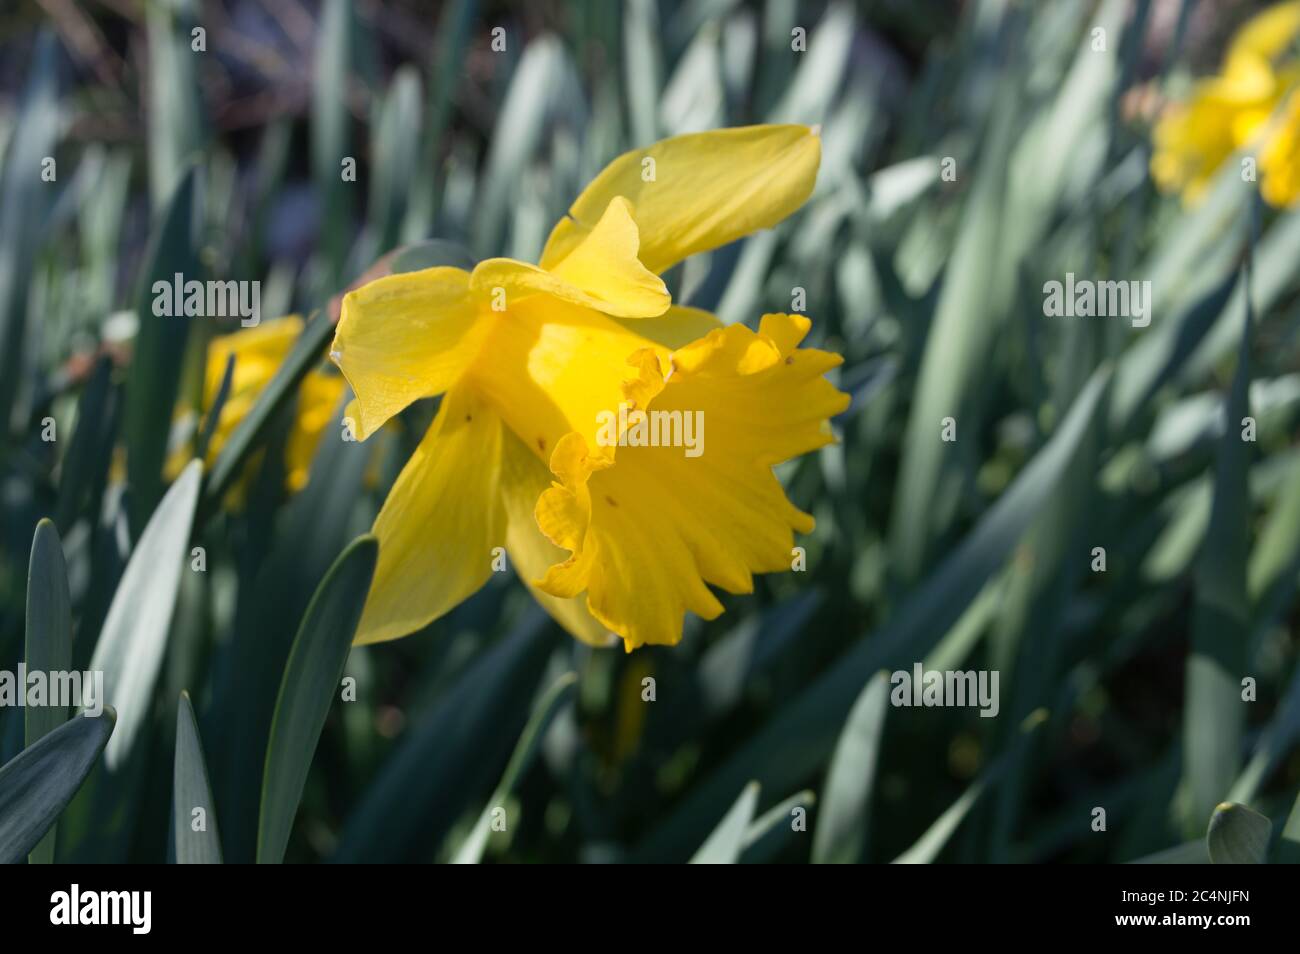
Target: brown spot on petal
610, 500
789, 359
541, 444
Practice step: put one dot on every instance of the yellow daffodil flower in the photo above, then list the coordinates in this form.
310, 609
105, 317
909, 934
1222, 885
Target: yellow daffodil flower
533, 362
259, 351
1268, 34
1231, 110
1279, 160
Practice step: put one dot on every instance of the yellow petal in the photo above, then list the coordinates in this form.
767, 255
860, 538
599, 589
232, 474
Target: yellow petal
440, 523
1246, 82
404, 337
1279, 160
1193, 139
697, 192
523, 479
603, 272
1267, 33
258, 354
319, 396
648, 532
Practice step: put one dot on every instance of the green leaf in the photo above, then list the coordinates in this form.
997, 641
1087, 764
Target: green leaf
534, 86
89, 452
191, 791
820, 75
213, 417
769, 831
471, 852
1272, 745
421, 196
134, 637
395, 147
248, 432
24, 199
452, 755
49, 641
797, 739
1213, 712
971, 309
1237, 835
724, 846
175, 110
154, 381
296, 558
643, 69
311, 680
842, 824
330, 133
928, 846
37, 785
1288, 846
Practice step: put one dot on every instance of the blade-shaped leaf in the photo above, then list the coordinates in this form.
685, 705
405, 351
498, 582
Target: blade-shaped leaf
311, 680
134, 638
89, 451
770, 830
1214, 714
454, 751
472, 850
928, 846
724, 846
1237, 835
842, 822
330, 130
49, 641
192, 803
159, 351
23, 201
1288, 846
306, 352
39, 782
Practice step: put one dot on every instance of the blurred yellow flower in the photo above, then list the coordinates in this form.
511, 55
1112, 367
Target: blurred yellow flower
1279, 160
1232, 110
258, 353
1268, 34
531, 359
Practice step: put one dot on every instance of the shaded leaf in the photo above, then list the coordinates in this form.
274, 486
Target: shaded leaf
39, 782
311, 681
